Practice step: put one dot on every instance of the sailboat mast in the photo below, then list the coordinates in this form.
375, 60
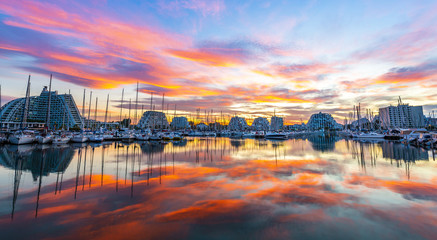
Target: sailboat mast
151, 101
89, 110
359, 116
121, 107
136, 106
26, 104
129, 121
167, 115
162, 108
106, 112
174, 115
48, 105
83, 110
95, 115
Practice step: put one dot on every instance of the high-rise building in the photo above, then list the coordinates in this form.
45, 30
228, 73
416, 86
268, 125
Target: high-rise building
238, 124
260, 124
153, 120
63, 110
322, 121
276, 123
179, 123
402, 116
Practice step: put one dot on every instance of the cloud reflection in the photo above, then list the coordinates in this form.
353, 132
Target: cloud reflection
211, 186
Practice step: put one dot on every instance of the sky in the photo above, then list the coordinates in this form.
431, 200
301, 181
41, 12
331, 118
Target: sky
246, 58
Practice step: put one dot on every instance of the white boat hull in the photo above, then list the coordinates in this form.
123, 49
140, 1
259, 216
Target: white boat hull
21, 140
276, 136
96, 139
79, 139
61, 140
44, 140
371, 136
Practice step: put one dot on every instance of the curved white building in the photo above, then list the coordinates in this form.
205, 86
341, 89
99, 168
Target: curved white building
238, 124
63, 110
260, 124
321, 120
153, 120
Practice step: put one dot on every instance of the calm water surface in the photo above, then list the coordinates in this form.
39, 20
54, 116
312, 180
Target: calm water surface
219, 188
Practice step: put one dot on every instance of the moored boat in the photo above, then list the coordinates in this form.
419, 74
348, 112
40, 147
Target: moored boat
96, 138
79, 138
22, 137
276, 135
61, 139
369, 135
44, 139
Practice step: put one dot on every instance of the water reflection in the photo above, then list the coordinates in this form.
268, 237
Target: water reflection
56, 159
323, 143
398, 151
219, 188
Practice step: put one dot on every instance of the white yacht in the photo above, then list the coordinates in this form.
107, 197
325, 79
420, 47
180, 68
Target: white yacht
79, 138
61, 139
108, 136
155, 137
95, 137
249, 134
177, 136
369, 135
43, 139
167, 136
276, 135
22, 137
128, 137
142, 136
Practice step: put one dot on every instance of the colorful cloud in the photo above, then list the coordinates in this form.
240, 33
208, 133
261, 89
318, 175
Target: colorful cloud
197, 52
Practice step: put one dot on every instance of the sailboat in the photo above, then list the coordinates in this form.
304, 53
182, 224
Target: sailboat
369, 135
276, 135
95, 136
25, 136
81, 138
46, 137
63, 138
22, 137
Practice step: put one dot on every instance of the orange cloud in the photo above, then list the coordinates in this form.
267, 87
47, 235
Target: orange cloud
205, 210
211, 57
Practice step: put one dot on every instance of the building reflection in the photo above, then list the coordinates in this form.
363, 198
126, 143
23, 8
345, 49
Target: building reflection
56, 159
399, 154
207, 181
323, 143
152, 147
237, 143
397, 151
39, 160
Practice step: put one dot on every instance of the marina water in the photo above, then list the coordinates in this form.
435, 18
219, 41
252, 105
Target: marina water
219, 188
